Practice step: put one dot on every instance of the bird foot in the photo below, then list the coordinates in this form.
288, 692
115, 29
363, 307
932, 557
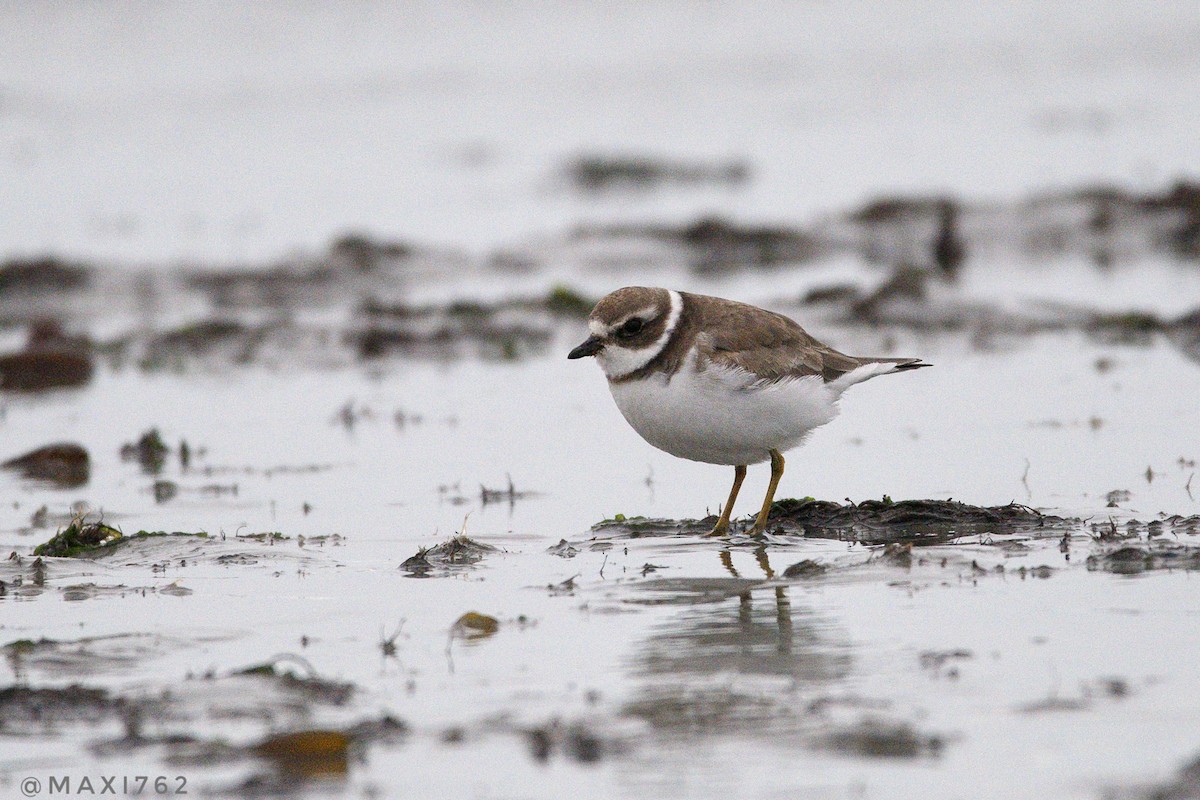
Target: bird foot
720, 529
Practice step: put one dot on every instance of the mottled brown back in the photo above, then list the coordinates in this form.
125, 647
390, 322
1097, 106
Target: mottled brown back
768, 344
738, 335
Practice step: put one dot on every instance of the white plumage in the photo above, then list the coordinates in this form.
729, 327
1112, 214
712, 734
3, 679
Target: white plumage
724, 416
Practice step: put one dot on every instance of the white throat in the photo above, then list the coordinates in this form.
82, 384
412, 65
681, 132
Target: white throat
618, 361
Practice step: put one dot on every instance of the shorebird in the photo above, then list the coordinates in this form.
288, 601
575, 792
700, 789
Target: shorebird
718, 381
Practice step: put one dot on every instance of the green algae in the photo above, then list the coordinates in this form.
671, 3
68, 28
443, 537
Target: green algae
82, 539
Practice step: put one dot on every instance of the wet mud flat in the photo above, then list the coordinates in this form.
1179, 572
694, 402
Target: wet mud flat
766, 653
347, 526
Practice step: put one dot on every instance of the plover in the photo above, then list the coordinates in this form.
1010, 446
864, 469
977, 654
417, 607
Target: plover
717, 381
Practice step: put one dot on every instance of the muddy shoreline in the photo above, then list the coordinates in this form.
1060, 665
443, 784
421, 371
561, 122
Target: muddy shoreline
318, 553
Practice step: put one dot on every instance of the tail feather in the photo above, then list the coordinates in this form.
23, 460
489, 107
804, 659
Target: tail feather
870, 367
903, 364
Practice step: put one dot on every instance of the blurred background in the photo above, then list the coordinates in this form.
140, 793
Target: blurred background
200, 133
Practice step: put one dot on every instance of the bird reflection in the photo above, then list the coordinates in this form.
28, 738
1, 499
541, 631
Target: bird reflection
702, 668
783, 606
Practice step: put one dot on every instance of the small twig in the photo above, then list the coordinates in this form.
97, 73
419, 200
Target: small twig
602, 565
1188, 486
1025, 481
388, 643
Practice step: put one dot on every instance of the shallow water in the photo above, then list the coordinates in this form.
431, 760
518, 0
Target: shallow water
670, 664
308, 645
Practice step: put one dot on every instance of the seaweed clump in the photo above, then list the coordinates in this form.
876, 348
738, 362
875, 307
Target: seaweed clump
456, 553
870, 522
78, 538
82, 539
884, 521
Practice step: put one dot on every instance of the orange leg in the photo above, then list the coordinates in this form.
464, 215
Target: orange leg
722, 526
760, 524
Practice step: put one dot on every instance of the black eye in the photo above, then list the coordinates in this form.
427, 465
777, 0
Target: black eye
631, 327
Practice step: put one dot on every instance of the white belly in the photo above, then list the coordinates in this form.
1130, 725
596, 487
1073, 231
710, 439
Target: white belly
720, 416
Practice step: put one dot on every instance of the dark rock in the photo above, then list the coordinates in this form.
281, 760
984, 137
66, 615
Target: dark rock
1186, 785
38, 370
65, 465
41, 275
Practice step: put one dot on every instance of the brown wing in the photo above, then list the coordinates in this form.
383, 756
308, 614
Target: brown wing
767, 344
